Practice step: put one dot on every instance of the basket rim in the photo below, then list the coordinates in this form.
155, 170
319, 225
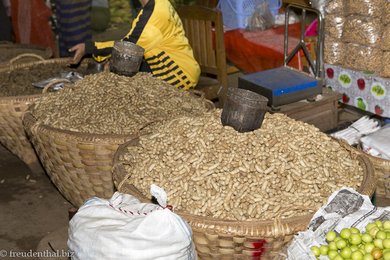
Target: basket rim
10, 68
32, 63
367, 187
376, 160
30, 121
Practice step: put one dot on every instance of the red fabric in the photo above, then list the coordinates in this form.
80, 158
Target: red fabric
260, 50
30, 22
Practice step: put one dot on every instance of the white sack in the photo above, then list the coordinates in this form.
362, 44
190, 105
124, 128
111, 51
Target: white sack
124, 228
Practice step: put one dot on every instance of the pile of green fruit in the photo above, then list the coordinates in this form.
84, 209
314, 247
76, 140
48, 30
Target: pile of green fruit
351, 244
120, 12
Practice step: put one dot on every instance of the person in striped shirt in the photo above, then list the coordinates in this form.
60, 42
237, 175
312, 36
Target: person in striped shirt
159, 30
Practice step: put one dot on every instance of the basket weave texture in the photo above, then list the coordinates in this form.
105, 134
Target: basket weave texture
12, 108
78, 164
227, 239
382, 173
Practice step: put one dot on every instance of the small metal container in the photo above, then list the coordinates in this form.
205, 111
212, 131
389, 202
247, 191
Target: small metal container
126, 58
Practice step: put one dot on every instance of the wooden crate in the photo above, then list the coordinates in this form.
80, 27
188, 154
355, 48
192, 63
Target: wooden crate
322, 113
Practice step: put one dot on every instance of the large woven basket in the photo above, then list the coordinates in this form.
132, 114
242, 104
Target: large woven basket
12, 53
79, 164
227, 239
382, 173
12, 108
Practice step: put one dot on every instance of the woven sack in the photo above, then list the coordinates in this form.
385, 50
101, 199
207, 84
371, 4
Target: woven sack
229, 239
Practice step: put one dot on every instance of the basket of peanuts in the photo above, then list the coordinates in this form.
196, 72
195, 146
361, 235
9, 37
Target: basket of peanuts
16, 94
77, 130
246, 194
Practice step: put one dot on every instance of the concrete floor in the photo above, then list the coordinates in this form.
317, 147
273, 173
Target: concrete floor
31, 206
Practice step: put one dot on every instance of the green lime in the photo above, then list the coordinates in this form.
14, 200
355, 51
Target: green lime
355, 239
367, 238
369, 247
345, 233
315, 250
332, 254
332, 246
386, 243
386, 256
346, 252
378, 243
357, 255
381, 234
324, 250
354, 230
330, 236
369, 226
341, 244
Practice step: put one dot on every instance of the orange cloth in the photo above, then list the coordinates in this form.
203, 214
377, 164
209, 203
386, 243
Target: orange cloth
253, 51
30, 22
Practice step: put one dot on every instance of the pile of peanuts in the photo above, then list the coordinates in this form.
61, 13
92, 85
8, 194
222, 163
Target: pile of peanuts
106, 103
18, 82
286, 168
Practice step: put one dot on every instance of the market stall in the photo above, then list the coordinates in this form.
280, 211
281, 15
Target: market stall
157, 172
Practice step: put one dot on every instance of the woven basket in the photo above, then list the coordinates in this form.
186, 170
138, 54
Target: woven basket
227, 239
382, 173
12, 53
12, 108
79, 164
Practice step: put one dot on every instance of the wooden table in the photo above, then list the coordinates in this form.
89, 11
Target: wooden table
253, 51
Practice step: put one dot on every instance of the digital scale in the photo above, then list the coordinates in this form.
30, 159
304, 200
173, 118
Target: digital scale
281, 85
284, 85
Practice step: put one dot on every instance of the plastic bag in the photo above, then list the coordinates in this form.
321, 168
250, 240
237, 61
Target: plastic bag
386, 13
362, 30
334, 51
124, 228
334, 7
370, 8
262, 17
69, 75
280, 19
363, 58
386, 38
379, 141
334, 26
385, 72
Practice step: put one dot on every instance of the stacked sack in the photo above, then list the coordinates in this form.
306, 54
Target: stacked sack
357, 35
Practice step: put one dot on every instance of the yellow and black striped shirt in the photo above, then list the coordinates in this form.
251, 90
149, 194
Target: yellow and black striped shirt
159, 30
